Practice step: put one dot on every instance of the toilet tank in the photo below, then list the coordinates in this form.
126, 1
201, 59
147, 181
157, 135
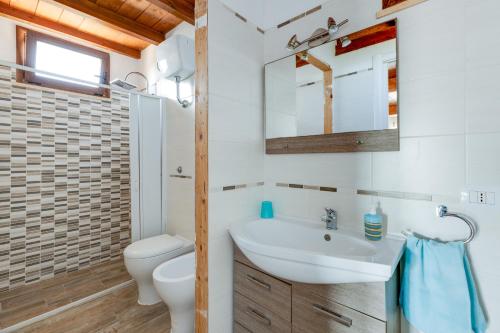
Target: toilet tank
175, 57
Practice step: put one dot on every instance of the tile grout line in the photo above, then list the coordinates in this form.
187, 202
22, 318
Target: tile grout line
66, 307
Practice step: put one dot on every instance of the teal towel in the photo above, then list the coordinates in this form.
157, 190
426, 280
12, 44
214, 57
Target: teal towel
438, 294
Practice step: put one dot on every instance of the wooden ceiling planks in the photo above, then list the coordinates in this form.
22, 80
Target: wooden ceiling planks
167, 23
113, 5
71, 19
28, 6
181, 8
48, 10
19, 15
133, 23
150, 16
117, 21
133, 8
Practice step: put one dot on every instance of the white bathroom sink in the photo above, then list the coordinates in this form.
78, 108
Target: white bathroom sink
299, 251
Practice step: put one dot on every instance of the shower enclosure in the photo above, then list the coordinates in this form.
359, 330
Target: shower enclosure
147, 165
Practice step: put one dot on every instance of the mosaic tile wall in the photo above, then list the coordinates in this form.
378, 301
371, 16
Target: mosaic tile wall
64, 181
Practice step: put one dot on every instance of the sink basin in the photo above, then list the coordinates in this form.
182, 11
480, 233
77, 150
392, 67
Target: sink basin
307, 252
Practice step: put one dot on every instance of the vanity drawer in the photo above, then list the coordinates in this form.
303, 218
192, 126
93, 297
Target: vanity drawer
257, 319
239, 329
270, 293
368, 298
315, 314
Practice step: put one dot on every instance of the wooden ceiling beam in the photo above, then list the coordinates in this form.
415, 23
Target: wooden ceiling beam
117, 21
178, 8
19, 15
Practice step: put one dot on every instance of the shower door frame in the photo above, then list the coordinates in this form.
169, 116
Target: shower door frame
137, 227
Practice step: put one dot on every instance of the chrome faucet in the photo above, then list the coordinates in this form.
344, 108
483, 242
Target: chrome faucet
330, 218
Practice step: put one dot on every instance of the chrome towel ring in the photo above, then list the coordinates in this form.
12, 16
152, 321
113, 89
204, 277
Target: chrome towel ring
442, 211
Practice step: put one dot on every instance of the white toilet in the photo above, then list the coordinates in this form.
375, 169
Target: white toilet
174, 281
143, 256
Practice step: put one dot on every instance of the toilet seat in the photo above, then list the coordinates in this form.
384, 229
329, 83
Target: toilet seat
153, 246
143, 256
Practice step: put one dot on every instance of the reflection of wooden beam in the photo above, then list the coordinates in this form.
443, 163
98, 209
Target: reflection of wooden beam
328, 117
117, 21
299, 62
367, 37
303, 59
393, 109
181, 9
324, 67
393, 80
19, 15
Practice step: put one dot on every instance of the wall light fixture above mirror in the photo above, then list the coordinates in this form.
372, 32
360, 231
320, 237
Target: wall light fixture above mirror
340, 96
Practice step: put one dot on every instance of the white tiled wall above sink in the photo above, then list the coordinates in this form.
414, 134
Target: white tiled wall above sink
449, 120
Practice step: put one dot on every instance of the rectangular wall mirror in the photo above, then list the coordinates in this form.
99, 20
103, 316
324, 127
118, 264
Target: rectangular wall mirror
340, 96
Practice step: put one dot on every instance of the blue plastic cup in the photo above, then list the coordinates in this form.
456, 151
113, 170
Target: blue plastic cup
266, 210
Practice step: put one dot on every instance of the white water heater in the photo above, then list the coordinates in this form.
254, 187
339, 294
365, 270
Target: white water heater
175, 57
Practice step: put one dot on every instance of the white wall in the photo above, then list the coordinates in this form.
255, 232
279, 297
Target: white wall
269, 13
179, 141
236, 146
450, 131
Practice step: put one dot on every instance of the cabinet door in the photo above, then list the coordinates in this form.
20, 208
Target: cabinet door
314, 314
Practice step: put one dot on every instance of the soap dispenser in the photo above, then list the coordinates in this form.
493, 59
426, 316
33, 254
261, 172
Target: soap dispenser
373, 224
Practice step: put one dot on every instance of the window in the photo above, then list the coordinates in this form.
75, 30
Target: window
58, 56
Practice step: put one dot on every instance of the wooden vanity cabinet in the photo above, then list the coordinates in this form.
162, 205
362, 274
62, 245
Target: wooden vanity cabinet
266, 304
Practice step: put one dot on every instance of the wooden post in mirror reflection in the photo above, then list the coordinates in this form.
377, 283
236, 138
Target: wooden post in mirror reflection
340, 96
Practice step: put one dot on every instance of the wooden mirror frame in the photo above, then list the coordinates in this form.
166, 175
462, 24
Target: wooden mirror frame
364, 141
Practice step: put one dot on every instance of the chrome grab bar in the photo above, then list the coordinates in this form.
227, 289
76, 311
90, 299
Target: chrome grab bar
442, 211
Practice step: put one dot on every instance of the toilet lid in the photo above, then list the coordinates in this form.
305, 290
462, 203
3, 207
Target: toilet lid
152, 247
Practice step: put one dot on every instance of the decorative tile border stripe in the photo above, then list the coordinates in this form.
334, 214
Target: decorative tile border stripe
181, 176
397, 195
235, 187
386, 194
243, 18
298, 17
308, 187
240, 17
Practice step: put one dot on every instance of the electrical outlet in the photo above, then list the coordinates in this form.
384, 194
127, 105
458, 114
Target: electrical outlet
482, 198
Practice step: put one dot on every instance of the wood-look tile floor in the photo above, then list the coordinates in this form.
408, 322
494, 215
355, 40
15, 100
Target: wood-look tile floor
115, 312
32, 300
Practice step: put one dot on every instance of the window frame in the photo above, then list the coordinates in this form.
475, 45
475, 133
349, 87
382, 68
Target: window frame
26, 41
